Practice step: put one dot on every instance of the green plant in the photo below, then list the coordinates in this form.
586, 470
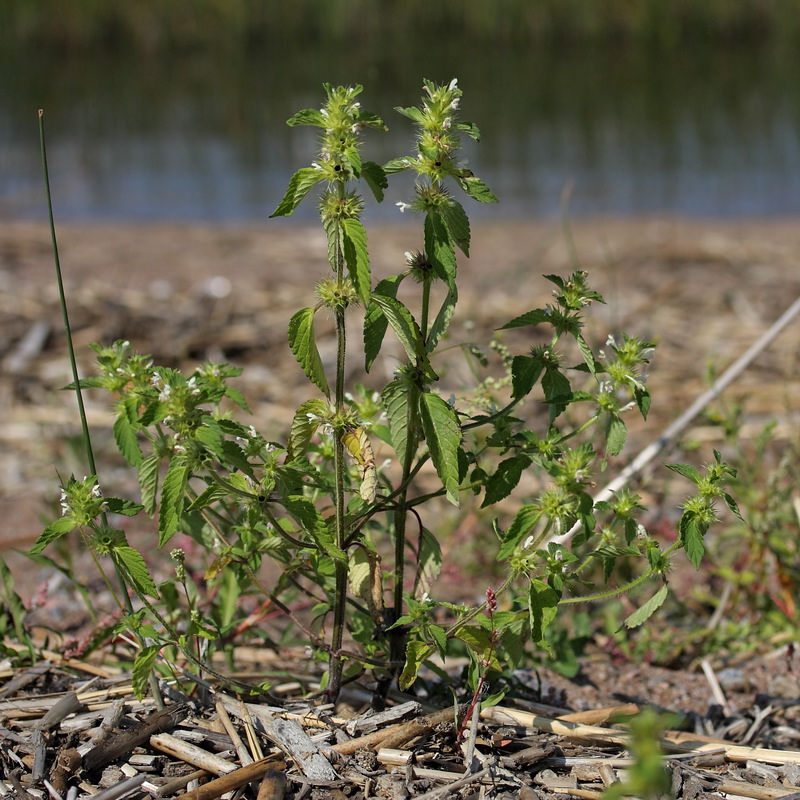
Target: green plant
368, 468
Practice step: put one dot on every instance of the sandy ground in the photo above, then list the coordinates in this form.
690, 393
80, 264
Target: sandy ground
704, 290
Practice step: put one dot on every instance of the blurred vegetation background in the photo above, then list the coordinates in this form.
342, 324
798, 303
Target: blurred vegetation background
161, 24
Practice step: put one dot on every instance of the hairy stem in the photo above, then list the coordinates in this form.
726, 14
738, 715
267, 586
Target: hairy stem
335, 665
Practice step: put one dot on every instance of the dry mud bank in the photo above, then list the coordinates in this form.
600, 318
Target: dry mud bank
704, 290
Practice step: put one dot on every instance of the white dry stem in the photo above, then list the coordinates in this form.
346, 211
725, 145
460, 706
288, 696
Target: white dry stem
673, 430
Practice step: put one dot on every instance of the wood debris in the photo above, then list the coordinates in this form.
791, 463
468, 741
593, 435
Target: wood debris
203, 750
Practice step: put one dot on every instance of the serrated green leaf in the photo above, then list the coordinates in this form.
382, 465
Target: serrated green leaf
125, 437
416, 653
479, 640
525, 371
406, 330
643, 613
443, 437
300, 185
542, 608
127, 508
470, 128
439, 639
308, 116
304, 347
686, 470
505, 479
375, 177
375, 321
733, 506
356, 257
148, 481
237, 397
211, 437
395, 401
306, 420
207, 497
642, 398
522, 524
439, 248
142, 667
557, 390
397, 165
172, 498
457, 223
442, 321
353, 158
691, 535
411, 112
616, 434
587, 354
313, 523
55, 530
535, 317
136, 568
477, 189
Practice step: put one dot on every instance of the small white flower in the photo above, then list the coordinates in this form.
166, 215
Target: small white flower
96, 490
315, 165
192, 386
527, 543
402, 206
452, 85
165, 393
611, 341
252, 431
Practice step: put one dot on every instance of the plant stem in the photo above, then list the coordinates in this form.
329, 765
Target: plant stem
335, 664
397, 635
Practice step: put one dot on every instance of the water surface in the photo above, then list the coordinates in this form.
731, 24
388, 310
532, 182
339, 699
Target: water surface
202, 136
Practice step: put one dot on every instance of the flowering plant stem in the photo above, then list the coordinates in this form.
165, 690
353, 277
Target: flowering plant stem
325, 511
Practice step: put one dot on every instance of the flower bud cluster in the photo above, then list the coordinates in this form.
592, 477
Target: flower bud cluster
82, 501
123, 371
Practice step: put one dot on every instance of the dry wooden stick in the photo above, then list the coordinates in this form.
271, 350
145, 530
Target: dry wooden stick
752, 790
672, 741
444, 791
244, 754
273, 785
110, 750
598, 716
234, 780
415, 727
191, 754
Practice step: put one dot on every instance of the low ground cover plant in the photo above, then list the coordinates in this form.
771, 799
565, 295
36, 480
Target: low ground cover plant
344, 510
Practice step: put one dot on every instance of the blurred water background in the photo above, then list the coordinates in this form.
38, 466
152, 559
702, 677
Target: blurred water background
176, 111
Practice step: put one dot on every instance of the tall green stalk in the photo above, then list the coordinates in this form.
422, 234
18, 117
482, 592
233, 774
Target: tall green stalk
336, 664
87, 440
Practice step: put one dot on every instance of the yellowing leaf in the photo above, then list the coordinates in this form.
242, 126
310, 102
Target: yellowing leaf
358, 445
